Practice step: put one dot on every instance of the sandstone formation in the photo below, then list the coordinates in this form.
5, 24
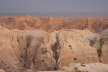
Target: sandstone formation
104, 38
36, 50
21, 50
75, 46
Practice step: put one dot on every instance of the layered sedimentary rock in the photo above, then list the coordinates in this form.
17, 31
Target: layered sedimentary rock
95, 24
104, 41
79, 46
75, 46
21, 50
25, 51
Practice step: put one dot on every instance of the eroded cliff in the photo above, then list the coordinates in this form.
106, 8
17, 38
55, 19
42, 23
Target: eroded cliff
39, 50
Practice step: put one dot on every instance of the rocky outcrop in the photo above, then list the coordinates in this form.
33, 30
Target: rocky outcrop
29, 51
78, 46
21, 50
75, 46
104, 41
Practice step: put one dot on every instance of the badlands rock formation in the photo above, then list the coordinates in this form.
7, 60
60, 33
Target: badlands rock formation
22, 50
104, 41
75, 46
95, 24
30, 44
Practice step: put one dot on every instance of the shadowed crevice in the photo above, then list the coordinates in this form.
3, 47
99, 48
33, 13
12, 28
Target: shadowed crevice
56, 50
98, 45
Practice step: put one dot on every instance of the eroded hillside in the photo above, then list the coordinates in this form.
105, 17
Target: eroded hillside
31, 51
68, 44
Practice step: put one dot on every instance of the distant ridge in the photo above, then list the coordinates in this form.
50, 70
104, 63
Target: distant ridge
53, 14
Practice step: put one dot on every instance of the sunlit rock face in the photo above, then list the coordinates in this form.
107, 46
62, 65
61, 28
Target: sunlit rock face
21, 50
74, 46
104, 41
36, 50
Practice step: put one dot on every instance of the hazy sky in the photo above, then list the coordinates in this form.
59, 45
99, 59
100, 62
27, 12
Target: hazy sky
65, 7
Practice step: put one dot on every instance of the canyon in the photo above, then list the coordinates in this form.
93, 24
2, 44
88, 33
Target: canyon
68, 44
